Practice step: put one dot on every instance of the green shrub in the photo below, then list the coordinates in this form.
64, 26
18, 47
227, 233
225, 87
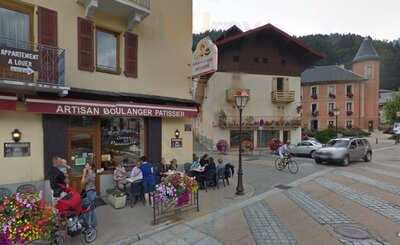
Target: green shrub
324, 136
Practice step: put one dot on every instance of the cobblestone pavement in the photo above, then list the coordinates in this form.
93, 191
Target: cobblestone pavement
383, 172
266, 226
372, 182
373, 203
334, 218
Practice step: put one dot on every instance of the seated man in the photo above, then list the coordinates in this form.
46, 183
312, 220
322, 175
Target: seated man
120, 176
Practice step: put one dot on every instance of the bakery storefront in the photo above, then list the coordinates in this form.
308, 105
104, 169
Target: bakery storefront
109, 132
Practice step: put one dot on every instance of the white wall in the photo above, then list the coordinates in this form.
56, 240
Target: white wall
260, 104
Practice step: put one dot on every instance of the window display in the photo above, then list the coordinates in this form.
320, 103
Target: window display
122, 141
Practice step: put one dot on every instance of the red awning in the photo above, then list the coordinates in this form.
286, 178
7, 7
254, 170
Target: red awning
8, 103
96, 108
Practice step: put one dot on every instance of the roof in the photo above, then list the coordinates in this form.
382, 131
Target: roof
269, 27
366, 51
233, 30
332, 73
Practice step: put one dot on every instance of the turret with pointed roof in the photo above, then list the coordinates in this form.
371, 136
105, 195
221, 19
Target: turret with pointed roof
366, 51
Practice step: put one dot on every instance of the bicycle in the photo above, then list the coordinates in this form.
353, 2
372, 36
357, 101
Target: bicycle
287, 161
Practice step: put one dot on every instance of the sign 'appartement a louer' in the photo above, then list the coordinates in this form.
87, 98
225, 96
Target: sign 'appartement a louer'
19, 60
123, 109
205, 58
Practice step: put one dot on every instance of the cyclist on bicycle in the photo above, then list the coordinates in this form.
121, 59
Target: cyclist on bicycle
283, 150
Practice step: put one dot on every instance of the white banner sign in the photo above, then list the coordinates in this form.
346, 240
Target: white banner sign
205, 58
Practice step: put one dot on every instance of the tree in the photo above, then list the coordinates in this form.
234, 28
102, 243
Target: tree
391, 108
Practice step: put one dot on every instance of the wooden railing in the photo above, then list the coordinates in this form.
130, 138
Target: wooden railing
282, 96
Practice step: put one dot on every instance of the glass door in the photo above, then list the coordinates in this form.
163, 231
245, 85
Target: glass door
82, 151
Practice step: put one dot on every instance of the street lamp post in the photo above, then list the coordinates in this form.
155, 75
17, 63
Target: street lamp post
241, 99
336, 112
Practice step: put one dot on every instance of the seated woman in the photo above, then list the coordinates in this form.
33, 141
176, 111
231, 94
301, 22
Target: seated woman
195, 163
204, 160
137, 184
120, 176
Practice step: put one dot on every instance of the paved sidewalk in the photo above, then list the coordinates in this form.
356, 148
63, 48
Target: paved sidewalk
357, 205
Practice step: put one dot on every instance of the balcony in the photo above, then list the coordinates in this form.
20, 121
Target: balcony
133, 11
283, 97
32, 67
257, 122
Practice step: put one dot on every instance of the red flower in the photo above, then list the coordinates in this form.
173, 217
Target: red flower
349, 113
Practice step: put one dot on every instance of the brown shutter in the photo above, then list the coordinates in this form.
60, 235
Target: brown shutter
85, 45
48, 36
131, 55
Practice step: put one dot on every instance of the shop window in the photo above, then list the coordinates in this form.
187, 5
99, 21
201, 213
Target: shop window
247, 135
349, 124
82, 122
314, 125
264, 136
107, 51
122, 141
14, 28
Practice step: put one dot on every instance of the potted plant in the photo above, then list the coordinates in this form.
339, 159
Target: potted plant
350, 95
349, 113
332, 96
331, 114
116, 198
314, 96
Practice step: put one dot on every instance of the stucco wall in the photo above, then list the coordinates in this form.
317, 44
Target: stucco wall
164, 53
21, 169
259, 105
184, 154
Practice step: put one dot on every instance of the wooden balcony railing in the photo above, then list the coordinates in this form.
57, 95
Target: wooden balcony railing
142, 3
283, 96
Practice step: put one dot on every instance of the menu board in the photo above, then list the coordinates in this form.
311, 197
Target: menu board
19, 149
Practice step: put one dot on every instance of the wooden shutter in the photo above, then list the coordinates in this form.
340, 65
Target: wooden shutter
131, 55
48, 42
85, 45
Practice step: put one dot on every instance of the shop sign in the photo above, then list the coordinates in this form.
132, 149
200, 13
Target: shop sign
19, 60
205, 58
19, 149
120, 140
82, 108
176, 143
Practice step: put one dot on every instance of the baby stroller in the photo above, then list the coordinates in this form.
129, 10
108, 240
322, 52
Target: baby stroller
72, 220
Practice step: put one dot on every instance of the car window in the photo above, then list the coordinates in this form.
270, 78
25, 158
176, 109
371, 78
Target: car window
307, 144
338, 143
360, 142
353, 144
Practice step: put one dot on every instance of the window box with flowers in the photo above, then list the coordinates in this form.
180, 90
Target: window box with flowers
314, 96
116, 198
315, 113
332, 96
349, 113
331, 114
350, 95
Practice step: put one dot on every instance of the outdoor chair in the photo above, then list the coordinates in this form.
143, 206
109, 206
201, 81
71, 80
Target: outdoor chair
4, 192
136, 192
26, 188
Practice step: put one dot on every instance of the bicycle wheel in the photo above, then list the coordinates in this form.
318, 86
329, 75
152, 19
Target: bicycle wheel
279, 164
293, 167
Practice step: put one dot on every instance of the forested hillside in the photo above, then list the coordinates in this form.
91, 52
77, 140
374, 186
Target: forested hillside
341, 49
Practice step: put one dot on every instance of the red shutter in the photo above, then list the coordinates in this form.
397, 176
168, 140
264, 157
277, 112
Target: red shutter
131, 55
48, 42
85, 45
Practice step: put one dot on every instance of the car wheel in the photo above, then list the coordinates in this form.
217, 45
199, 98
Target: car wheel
312, 154
317, 161
346, 161
368, 157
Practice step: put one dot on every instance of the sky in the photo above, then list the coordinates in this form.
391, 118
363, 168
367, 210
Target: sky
379, 19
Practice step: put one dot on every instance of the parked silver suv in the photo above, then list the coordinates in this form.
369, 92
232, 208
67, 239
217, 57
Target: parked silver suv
344, 151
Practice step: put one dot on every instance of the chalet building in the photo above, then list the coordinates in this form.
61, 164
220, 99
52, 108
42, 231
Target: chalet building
350, 96
267, 63
93, 82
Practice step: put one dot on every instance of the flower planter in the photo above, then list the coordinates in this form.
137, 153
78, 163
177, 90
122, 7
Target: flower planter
183, 199
117, 202
349, 113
